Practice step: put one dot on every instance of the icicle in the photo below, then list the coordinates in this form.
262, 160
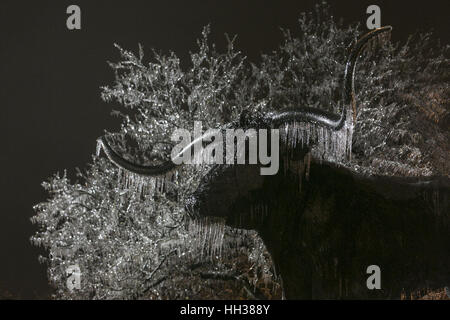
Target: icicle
208, 238
307, 160
259, 212
436, 202
300, 171
120, 183
98, 149
266, 210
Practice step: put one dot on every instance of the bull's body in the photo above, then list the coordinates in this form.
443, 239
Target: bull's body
323, 237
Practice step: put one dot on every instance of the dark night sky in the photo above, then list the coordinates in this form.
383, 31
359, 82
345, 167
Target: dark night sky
51, 112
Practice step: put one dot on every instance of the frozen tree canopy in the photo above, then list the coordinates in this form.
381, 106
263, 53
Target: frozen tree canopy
132, 236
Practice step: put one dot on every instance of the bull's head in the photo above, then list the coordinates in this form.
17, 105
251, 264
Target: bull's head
323, 234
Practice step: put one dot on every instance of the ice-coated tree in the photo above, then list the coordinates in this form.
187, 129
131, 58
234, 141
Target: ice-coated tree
131, 236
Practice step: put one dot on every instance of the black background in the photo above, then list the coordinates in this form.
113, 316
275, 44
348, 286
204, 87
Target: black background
50, 77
